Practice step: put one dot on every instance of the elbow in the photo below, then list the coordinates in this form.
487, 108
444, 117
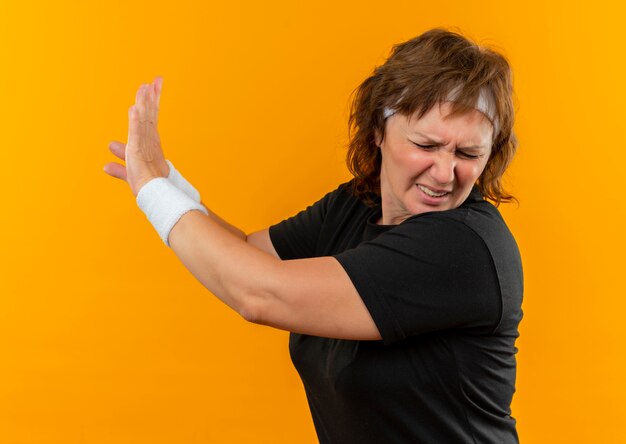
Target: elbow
254, 309
250, 313
257, 300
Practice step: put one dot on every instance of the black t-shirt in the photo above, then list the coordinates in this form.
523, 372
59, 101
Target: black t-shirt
445, 291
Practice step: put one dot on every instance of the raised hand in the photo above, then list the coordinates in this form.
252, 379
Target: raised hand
143, 154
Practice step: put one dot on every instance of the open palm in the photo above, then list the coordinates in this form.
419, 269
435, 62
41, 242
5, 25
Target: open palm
142, 153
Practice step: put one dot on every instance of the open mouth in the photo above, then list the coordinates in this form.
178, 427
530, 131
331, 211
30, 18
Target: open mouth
432, 193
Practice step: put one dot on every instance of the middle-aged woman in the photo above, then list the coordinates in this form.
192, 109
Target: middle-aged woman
402, 287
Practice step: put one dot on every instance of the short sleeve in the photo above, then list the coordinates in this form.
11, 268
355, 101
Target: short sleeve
429, 273
297, 236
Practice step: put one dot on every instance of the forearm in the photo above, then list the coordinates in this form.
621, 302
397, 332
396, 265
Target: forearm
222, 261
183, 184
231, 228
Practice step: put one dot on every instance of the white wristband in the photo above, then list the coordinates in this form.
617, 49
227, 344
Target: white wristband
164, 204
181, 183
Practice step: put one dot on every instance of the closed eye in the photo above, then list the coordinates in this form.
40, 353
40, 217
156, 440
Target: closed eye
426, 147
462, 154
467, 155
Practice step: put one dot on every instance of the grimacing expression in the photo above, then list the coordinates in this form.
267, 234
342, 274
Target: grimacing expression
431, 163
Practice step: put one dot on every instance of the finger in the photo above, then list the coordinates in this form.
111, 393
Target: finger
134, 130
139, 95
118, 148
158, 84
140, 136
116, 170
140, 102
151, 106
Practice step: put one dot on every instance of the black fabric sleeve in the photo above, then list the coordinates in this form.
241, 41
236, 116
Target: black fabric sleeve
429, 273
297, 236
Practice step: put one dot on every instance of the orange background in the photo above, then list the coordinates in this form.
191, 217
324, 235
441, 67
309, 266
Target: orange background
104, 335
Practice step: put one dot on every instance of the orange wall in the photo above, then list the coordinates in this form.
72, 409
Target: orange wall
104, 335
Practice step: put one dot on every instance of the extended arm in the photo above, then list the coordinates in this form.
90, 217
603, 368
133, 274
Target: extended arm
312, 296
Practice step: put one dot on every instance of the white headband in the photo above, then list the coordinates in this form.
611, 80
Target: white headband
485, 105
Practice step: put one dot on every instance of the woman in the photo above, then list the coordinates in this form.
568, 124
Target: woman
403, 287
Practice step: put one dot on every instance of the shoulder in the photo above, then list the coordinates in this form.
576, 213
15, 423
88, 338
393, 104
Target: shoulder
475, 225
442, 238
461, 230
431, 272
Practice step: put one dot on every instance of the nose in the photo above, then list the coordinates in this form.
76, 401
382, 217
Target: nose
442, 168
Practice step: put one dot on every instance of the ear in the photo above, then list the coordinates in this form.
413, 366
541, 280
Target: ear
378, 137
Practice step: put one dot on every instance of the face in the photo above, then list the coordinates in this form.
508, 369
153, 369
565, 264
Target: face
432, 163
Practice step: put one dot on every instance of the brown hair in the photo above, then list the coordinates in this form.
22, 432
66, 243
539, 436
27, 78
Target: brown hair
419, 74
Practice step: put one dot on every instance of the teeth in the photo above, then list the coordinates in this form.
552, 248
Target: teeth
432, 193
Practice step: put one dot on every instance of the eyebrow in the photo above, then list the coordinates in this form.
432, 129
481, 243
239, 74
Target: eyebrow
434, 140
